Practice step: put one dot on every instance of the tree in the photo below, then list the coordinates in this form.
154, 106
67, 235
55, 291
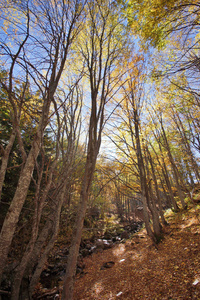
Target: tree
156, 20
133, 139
63, 165
57, 25
100, 47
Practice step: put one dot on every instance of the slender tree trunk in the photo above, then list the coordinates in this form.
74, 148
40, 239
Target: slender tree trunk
157, 228
189, 173
56, 221
5, 158
142, 177
74, 251
175, 171
165, 174
187, 146
74, 248
15, 208
19, 272
51, 227
99, 62
41, 240
157, 190
13, 214
53, 222
168, 201
66, 20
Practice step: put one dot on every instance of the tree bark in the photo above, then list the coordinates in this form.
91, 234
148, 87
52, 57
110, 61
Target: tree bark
157, 228
5, 158
15, 208
19, 272
187, 145
143, 181
165, 174
55, 222
55, 71
39, 244
99, 57
156, 187
175, 171
74, 248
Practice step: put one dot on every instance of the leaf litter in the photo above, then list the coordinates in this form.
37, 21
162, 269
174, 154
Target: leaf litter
140, 271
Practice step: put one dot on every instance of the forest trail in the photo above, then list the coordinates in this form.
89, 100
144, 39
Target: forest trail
140, 271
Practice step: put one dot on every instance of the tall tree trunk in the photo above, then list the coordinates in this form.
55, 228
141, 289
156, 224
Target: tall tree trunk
15, 208
156, 187
78, 227
55, 221
143, 182
157, 228
168, 201
19, 272
66, 30
12, 216
165, 174
39, 244
175, 170
5, 158
51, 226
189, 173
187, 146
99, 60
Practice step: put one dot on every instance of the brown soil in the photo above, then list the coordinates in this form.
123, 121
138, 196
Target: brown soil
140, 271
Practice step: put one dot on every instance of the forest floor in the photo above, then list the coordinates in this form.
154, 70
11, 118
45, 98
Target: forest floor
137, 270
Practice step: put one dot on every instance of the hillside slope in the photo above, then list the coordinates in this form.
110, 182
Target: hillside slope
140, 271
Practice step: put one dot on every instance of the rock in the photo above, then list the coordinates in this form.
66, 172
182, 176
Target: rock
103, 244
107, 235
107, 265
54, 269
99, 244
93, 248
107, 244
116, 239
134, 227
124, 235
85, 252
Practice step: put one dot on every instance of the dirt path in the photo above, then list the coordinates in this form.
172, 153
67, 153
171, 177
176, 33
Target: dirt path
142, 272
